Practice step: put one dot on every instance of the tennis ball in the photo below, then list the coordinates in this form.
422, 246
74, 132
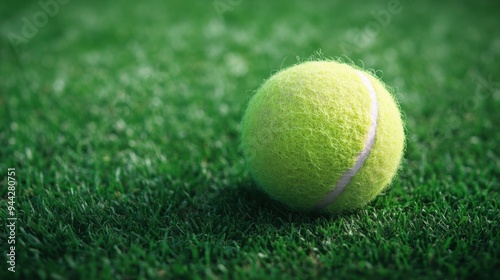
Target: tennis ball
323, 136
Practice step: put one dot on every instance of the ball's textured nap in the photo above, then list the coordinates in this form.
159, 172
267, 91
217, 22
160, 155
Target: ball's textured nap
307, 131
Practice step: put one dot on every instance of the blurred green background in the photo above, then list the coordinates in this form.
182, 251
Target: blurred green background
122, 121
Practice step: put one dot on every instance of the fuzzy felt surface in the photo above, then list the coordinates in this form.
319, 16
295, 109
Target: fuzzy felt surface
305, 127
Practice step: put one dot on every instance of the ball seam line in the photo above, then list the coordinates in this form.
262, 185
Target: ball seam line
346, 178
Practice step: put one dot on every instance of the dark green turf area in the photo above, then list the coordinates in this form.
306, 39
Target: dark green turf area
122, 121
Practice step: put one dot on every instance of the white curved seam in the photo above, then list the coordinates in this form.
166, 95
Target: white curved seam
342, 183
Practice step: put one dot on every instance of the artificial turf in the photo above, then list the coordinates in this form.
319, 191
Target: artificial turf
122, 121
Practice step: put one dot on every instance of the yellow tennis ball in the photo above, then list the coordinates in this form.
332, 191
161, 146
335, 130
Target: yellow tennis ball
323, 136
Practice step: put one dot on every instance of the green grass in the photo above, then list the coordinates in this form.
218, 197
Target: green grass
122, 121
